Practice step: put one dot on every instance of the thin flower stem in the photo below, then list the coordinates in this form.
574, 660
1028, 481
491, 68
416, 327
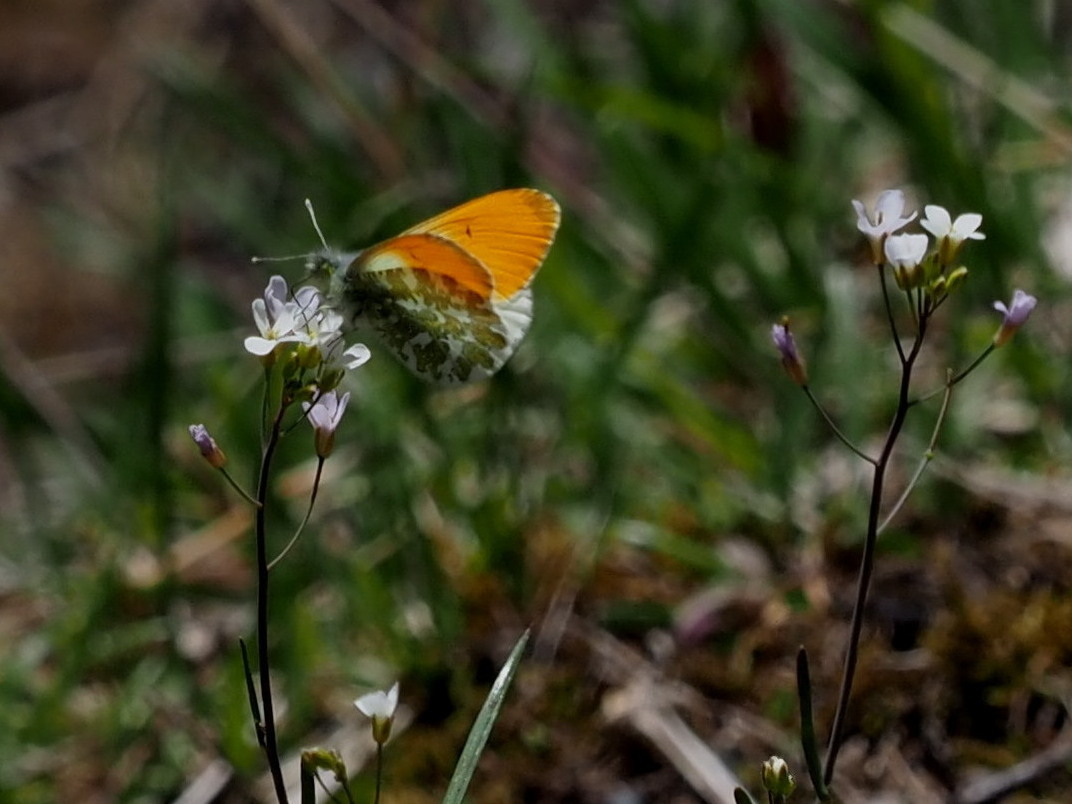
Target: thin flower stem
251, 692
327, 790
928, 456
304, 522
985, 354
868, 558
234, 484
960, 376
379, 771
264, 406
836, 430
305, 413
889, 313
271, 748
346, 789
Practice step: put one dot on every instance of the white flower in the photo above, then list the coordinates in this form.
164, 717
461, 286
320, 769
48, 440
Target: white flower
939, 224
888, 217
278, 292
357, 355
904, 253
338, 358
323, 329
950, 233
274, 318
906, 250
380, 707
306, 300
325, 415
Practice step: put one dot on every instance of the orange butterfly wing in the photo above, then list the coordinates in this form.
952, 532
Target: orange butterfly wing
508, 232
428, 253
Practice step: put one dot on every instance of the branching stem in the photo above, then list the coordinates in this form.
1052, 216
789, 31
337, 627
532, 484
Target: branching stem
867, 560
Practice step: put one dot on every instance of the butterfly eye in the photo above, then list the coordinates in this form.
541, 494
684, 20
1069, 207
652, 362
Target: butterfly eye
319, 266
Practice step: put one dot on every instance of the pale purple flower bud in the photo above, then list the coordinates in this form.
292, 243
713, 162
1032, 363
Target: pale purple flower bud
1015, 315
207, 444
787, 347
325, 415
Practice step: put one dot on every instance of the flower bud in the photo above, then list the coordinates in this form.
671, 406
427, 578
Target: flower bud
380, 708
1015, 315
324, 416
787, 347
777, 779
207, 444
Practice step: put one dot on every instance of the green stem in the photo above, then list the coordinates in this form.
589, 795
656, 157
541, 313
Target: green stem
960, 376
889, 312
928, 456
379, 771
835, 429
974, 363
868, 558
234, 484
305, 521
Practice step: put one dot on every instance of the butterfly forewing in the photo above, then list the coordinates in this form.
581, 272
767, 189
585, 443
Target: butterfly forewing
509, 232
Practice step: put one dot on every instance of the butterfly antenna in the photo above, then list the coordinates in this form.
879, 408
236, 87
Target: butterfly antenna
312, 215
320, 234
287, 258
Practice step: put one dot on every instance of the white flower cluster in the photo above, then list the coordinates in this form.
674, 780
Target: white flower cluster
906, 251
284, 318
313, 335
907, 254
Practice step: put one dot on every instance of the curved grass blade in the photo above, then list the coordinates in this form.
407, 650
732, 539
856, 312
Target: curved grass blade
807, 727
478, 735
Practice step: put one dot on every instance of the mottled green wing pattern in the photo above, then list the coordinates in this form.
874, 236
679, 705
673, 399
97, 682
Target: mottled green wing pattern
443, 332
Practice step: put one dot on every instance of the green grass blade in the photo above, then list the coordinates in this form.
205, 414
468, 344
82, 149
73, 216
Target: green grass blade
478, 736
807, 727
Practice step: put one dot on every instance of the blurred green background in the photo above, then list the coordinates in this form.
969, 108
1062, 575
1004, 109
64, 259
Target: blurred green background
642, 469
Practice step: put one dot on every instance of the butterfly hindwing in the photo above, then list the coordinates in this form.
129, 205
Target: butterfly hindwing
445, 330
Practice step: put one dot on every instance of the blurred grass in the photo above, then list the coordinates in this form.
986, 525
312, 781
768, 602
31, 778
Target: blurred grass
704, 154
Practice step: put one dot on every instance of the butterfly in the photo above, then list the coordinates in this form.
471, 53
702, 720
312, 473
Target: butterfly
451, 296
